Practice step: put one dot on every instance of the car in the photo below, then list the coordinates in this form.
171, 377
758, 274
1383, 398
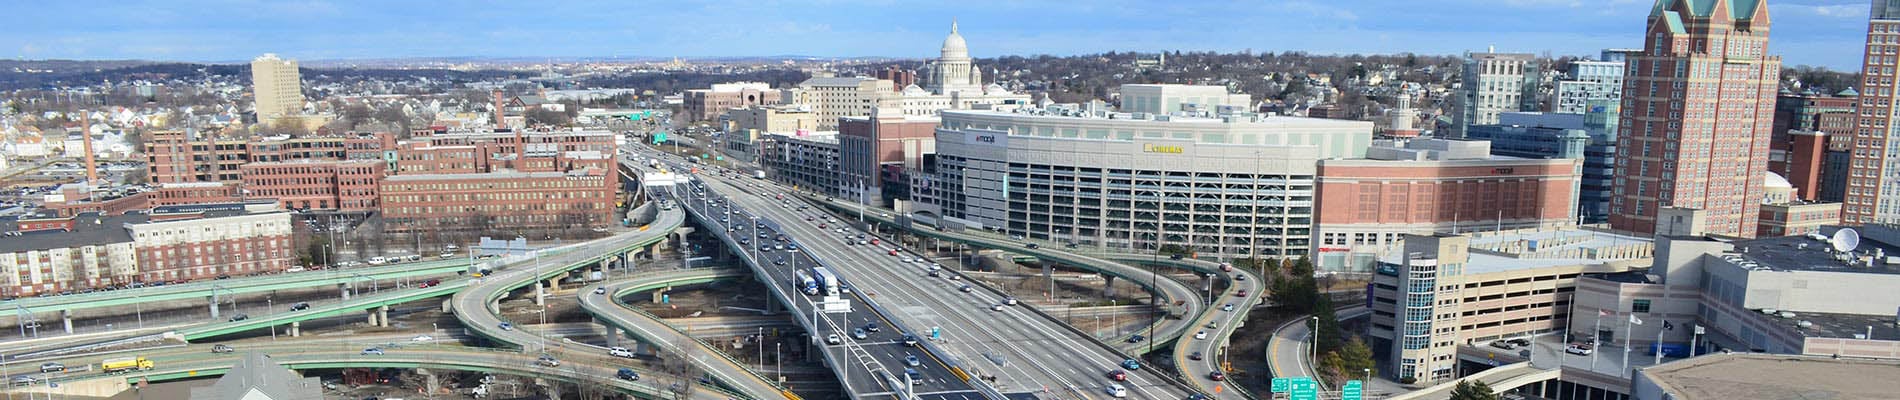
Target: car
833, 339
547, 361
1503, 344
779, 261
1136, 338
956, 277
1213, 325
1520, 342
1240, 277
507, 326
600, 290
905, 259
1217, 376
431, 283
422, 338
1198, 396
24, 380
221, 348
224, 276
299, 306
1176, 257
373, 351
1009, 300
1118, 375
240, 317
52, 367
965, 289
628, 374
1582, 349
933, 274
1241, 293
859, 334
893, 252
874, 241
1116, 390
1200, 335
1229, 307
871, 327
1032, 245
1131, 364
996, 307
621, 352
912, 373
1194, 356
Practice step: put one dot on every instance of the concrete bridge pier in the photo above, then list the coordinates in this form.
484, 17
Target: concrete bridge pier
66, 316
540, 295
372, 317
552, 389
214, 306
772, 307
446, 301
613, 334
661, 292
1108, 285
344, 290
382, 316
296, 329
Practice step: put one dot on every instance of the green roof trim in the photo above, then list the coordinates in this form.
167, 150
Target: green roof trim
1675, 22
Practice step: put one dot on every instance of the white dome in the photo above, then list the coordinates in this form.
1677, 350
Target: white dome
1774, 180
953, 46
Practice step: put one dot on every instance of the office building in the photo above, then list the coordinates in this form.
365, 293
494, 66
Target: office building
877, 154
952, 82
529, 204
1231, 185
1590, 137
1425, 186
1803, 121
1600, 79
744, 125
804, 160
1164, 99
308, 185
1697, 117
900, 78
276, 87
1443, 290
1873, 190
181, 157
832, 98
708, 104
1495, 83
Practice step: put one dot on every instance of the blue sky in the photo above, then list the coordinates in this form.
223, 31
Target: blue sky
1814, 32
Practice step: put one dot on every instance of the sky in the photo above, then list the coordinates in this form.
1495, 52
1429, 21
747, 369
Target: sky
1811, 32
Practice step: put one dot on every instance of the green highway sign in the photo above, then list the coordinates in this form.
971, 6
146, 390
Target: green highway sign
1354, 390
1280, 384
1305, 389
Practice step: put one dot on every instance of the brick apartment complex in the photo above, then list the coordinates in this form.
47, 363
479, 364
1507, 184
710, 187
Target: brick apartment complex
53, 254
178, 157
345, 186
1808, 127
455, 182
707, 104
1697, 117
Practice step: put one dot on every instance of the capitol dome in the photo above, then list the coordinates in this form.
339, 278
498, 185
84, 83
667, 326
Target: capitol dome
953, 46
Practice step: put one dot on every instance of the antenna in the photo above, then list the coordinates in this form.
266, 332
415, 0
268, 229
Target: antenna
1845, 240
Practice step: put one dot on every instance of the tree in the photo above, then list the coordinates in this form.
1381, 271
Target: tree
1473, 390
1355, 358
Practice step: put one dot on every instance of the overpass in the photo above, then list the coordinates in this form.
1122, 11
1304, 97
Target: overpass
1501, 379
196, 362
1289, 352
619, 317
1220, 325
1025, 352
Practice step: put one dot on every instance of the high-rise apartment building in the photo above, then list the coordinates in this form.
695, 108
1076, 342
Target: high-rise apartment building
1496, 83
277, 86
1873, 183
1598, 79
1697, 114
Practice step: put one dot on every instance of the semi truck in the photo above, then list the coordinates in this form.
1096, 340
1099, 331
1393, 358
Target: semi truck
124, 364
806, 284
758, 174
827, 281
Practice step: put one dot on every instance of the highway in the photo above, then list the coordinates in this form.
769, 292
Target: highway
198, 361
869, 367
1218, 324
1289, 352
236, 285
608, 309
1029, 353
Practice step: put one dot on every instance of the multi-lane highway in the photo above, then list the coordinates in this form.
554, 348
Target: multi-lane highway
1028, 353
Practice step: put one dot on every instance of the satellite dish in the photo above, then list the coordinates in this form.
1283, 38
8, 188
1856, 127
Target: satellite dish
1845, 240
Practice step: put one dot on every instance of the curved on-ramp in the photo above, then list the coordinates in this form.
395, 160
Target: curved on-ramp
1225, 323
608, 309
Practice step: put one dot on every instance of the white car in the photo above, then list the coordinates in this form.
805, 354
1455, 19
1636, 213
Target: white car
1582, 349
422, 338
1200, 335
833, 339
621, 352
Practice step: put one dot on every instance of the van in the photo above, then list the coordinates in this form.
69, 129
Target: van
1116, 389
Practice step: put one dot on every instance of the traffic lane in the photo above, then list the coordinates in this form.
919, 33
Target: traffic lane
1083, 375
861, 318
729, 372
782, 275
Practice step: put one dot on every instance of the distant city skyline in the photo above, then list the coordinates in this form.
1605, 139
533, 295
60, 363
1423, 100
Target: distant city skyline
1806, 32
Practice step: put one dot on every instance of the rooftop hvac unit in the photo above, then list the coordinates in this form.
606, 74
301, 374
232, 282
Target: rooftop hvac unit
1804, 324
1768, 311
1787, 314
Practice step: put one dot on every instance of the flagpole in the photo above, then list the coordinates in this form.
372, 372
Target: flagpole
1596, 340
1626, 344
1658, 345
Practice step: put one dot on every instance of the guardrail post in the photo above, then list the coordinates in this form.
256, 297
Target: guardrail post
66, 316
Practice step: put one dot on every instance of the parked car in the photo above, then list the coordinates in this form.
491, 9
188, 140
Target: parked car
1582, 349
1503, 344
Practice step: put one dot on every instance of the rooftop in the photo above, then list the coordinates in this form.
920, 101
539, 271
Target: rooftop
1807, 253
1519, 249
1838, 326
88, 230
475, 176
1775, 376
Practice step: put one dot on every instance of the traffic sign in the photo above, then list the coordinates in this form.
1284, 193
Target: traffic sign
1353, 390
1305, 388
1280, 385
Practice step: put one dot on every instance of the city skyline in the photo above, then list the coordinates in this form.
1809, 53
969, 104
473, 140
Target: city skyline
1809, 32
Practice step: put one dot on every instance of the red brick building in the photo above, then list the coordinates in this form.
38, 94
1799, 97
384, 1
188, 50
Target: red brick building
1698, 113
176, 157
707, 104
485, 182
1436, 185
876, 151
346, 186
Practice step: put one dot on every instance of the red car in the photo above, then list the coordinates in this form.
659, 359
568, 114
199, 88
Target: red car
431, 283
1217, 375
1242, 293
873, 241
893, 252
1118, 375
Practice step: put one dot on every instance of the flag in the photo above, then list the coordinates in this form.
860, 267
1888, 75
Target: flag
1668, 327
1633, 320
1603, 312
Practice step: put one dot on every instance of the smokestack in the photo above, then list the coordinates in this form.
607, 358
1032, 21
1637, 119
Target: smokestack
497, 110
85, 132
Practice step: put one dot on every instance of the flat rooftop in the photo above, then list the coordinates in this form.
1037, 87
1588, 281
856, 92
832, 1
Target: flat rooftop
1523, 249
1838, 326
1802, 253
1776, 376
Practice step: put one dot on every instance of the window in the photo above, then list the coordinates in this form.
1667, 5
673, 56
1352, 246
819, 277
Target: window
1639, 306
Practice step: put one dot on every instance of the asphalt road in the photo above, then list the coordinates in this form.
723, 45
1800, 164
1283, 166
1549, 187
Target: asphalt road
1027, 352
653, 330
